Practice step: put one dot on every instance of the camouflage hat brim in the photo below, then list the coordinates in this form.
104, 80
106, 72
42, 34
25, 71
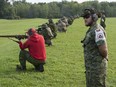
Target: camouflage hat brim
86, 13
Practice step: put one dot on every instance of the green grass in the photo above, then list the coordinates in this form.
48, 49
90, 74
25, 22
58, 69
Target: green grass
65, 63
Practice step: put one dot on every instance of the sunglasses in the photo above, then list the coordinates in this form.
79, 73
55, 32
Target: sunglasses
86, 16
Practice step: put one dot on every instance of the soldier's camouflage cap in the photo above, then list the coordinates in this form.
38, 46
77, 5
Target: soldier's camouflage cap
88, 12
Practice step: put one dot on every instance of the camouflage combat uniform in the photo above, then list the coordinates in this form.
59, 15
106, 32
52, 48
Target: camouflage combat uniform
102, 21
70, 20
52, 26
65, 20
47, 33
61, 26
95, 64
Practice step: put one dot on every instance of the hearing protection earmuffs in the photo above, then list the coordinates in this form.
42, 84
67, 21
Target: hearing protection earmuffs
90, 12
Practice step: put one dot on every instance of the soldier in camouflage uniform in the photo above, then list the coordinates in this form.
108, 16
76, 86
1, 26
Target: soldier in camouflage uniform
70, 20
65, 20
52, 26
61, 26
103, 19
95, 51
47, 33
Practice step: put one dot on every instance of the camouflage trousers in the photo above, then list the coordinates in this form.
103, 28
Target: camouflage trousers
48, 41
25, 56
96, 77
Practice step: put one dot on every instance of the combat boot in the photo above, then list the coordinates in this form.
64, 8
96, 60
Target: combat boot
39, 68
20, 68
50, 44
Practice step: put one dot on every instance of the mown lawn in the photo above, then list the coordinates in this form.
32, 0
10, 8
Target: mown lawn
64, 65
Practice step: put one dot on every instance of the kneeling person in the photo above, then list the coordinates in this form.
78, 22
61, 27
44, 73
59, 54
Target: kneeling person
36, 54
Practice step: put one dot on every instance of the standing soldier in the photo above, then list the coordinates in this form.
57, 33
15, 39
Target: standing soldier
103, 19
52, 26
47, 33
95, 51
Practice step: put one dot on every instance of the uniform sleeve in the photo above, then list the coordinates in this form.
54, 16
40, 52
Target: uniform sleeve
100, 38
49, 32
102, 20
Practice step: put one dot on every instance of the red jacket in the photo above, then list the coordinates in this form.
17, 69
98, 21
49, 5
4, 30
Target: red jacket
36, 46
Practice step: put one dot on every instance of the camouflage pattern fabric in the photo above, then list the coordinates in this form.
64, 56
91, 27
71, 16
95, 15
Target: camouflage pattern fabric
70, 20
61, 26
25, 56
102, 21
95, 64
53, 28
65, 20
47, 33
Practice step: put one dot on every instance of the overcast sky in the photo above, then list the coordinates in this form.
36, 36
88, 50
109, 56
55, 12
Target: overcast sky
36, 1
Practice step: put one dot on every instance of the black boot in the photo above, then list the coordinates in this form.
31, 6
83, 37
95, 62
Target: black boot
39, 68
50, 44
20, 68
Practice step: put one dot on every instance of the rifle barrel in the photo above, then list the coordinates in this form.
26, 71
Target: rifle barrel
14, 36
7, 35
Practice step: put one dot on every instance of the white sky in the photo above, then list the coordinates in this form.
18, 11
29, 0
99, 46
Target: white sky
36, 1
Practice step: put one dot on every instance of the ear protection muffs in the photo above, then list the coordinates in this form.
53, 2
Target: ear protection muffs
91, 11
94, 17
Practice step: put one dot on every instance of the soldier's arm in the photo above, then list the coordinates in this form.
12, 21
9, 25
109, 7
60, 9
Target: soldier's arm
50, 32
100, 40
103, 51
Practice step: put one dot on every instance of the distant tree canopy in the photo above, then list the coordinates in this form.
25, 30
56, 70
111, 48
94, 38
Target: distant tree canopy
23, 9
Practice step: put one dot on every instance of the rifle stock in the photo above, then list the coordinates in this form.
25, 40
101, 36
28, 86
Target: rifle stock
19, 37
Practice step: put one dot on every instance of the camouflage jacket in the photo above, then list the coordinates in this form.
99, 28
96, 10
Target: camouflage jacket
52, 27
61, 25
102, 21
47, 33
94, 37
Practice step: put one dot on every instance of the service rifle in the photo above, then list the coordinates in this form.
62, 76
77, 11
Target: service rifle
19, 37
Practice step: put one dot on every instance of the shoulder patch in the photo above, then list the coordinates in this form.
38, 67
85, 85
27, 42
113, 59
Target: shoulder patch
99, 35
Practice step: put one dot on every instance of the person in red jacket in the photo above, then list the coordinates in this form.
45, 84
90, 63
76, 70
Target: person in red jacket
36, 53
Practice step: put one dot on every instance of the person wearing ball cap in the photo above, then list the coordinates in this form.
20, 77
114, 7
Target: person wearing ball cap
36, 53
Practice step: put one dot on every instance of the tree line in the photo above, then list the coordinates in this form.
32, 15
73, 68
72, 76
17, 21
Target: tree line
23, 9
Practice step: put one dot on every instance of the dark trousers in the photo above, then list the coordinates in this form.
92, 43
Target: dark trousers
25, 56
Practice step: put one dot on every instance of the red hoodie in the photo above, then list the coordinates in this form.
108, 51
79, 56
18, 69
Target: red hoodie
36, 46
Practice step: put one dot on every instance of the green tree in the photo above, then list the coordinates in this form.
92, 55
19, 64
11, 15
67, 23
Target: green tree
3, 6
53, 10
105, 7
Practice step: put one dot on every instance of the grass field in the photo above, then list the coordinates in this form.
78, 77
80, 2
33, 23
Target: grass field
65, 63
